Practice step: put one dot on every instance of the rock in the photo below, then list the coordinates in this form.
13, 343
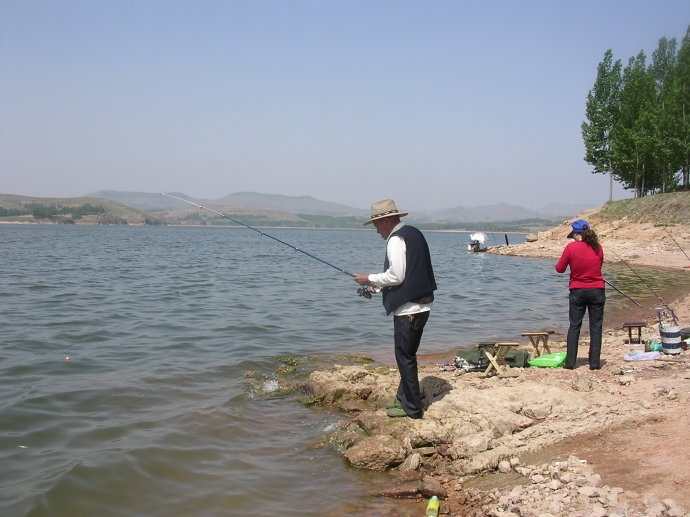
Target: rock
672, 395
588, 491
412, 462
504, 466
554, 484
514, 461
432, 487
532, 237
523, 471
426, 451
376, 453
581, 481
537, 412
470, 445
565, 477
537, 478
582, 384
427, 433
624, 380
403, 490
369, 422
352, 406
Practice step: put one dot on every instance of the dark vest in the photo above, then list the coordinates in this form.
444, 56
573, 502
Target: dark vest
419, 282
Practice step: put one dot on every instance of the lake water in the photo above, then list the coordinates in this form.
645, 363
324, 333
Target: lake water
152, 414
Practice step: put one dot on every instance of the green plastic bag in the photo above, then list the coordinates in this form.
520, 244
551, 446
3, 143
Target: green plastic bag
554, 360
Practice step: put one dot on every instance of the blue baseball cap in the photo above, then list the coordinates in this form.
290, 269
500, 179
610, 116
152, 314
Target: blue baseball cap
578, 226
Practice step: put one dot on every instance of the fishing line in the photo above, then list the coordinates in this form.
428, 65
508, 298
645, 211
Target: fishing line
638, 276
676, 242
264, 234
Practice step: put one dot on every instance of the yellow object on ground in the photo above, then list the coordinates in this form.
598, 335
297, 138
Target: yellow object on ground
433, 507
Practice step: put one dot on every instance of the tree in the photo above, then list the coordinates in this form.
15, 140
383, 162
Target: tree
664, 118
680, 105
633, 136
601, 111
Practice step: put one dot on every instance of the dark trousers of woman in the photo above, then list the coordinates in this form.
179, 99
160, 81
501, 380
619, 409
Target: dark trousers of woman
408, 331
592, 301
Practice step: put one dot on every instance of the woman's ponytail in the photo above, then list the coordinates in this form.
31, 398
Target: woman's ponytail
590, 237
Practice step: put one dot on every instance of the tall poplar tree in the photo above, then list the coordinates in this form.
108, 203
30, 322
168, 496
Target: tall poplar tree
633, 136
680, 85
601, 111
666, 149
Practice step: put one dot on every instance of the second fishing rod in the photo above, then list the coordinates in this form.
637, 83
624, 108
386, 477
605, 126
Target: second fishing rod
362, 291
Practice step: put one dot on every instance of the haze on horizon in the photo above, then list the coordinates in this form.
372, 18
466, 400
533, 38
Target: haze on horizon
435, 105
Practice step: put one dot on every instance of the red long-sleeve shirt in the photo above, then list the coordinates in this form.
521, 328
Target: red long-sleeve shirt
585, 265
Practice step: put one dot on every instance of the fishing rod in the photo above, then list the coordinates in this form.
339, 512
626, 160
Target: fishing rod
264, 234
621, 292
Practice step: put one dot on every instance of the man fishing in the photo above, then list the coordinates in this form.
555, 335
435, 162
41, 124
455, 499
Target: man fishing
407, 285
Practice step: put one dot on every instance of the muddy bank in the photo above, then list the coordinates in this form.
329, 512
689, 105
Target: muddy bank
476, 427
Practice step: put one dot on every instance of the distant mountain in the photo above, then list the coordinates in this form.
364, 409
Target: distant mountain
486, 213
505, 212
291, 204
244, 201
278, 206
148, 201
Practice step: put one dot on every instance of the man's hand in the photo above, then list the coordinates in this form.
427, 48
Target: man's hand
361, 278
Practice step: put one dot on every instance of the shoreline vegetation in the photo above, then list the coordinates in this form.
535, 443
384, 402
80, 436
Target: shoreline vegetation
537, 442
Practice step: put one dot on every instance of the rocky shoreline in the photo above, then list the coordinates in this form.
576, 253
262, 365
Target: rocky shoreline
641, 244
476, 427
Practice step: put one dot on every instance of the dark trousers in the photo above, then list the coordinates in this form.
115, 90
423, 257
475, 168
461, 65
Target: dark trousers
408, 333
591, 300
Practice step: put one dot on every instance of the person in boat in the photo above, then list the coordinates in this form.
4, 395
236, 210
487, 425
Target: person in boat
407, 284
585, 257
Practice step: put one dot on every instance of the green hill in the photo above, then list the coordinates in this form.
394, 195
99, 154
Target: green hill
659, 209
83, 210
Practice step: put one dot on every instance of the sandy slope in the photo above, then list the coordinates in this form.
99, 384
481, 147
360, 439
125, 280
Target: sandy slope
637, 243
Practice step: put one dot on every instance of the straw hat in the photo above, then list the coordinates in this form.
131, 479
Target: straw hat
384, 208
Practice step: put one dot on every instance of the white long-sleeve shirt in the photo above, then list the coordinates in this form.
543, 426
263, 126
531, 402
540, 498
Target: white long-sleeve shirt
395, 274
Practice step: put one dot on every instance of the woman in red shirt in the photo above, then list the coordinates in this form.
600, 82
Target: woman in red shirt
585, 257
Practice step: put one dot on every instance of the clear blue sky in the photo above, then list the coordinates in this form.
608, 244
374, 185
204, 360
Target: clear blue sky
435, 104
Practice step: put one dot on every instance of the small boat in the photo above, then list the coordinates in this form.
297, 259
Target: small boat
477, 242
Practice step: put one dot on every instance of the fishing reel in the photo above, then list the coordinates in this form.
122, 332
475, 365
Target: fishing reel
365, 292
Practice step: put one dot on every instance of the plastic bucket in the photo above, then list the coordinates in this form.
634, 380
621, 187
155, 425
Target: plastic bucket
670, 338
